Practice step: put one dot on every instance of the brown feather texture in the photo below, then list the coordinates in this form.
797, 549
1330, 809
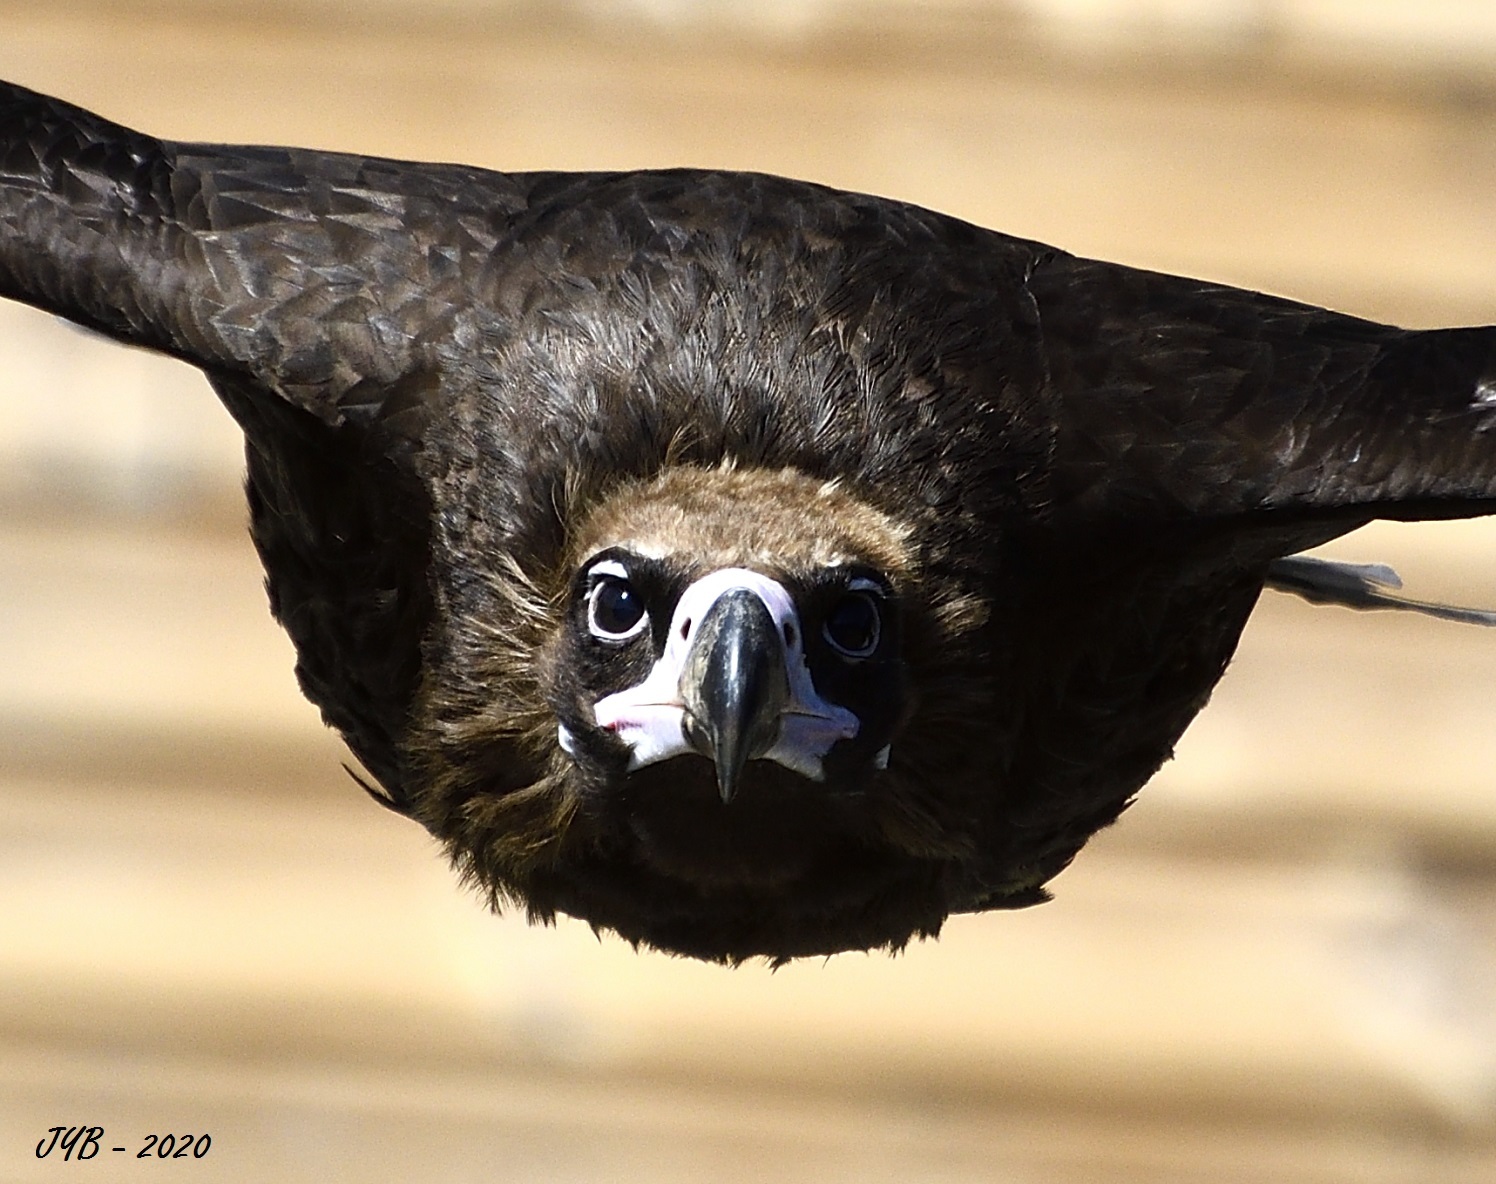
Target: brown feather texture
743, 566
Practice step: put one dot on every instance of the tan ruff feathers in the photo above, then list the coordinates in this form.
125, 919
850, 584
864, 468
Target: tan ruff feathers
776, 519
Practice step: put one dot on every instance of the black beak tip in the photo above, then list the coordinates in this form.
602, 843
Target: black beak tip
727, 759
727, 784
734, 686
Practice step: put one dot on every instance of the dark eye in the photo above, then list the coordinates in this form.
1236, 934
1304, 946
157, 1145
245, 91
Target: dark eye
615, 611
853, 624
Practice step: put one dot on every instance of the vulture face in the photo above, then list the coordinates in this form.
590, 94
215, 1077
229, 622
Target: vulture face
727, 654
734, 661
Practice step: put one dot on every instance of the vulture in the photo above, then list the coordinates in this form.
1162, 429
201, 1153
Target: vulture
746, 567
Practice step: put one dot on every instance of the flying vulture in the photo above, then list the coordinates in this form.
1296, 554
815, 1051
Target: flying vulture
744, 566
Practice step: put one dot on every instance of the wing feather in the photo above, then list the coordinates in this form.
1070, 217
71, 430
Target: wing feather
1183, 400
317, 276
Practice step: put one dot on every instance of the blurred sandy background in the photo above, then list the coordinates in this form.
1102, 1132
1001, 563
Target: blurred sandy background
1280, 966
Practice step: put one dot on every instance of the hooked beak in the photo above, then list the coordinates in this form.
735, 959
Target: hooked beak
734, 685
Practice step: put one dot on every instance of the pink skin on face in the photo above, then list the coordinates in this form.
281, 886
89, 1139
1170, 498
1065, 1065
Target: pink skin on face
649, 717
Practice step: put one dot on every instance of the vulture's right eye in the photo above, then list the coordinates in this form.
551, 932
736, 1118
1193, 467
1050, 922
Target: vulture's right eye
615, 610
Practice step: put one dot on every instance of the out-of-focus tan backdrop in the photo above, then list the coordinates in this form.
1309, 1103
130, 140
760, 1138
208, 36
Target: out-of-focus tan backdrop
1280, 966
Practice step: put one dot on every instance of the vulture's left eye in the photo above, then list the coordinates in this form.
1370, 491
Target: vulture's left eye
854, 624
615, 611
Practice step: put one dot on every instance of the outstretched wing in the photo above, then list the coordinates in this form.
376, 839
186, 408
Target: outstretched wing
1186, 401
326, 278
318, 292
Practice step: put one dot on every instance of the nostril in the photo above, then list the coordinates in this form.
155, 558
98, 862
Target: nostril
685, 629
789, 634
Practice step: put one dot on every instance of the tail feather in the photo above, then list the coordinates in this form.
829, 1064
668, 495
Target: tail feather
1360, 586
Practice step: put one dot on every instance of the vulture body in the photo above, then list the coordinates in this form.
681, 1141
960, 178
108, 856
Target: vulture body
747, 567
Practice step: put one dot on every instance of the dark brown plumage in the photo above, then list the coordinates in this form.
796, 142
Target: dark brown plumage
743, 566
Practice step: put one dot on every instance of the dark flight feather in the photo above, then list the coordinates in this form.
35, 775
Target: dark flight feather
1074, 479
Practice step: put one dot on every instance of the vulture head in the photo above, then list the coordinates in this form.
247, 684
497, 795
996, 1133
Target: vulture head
723, 675
707, 630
